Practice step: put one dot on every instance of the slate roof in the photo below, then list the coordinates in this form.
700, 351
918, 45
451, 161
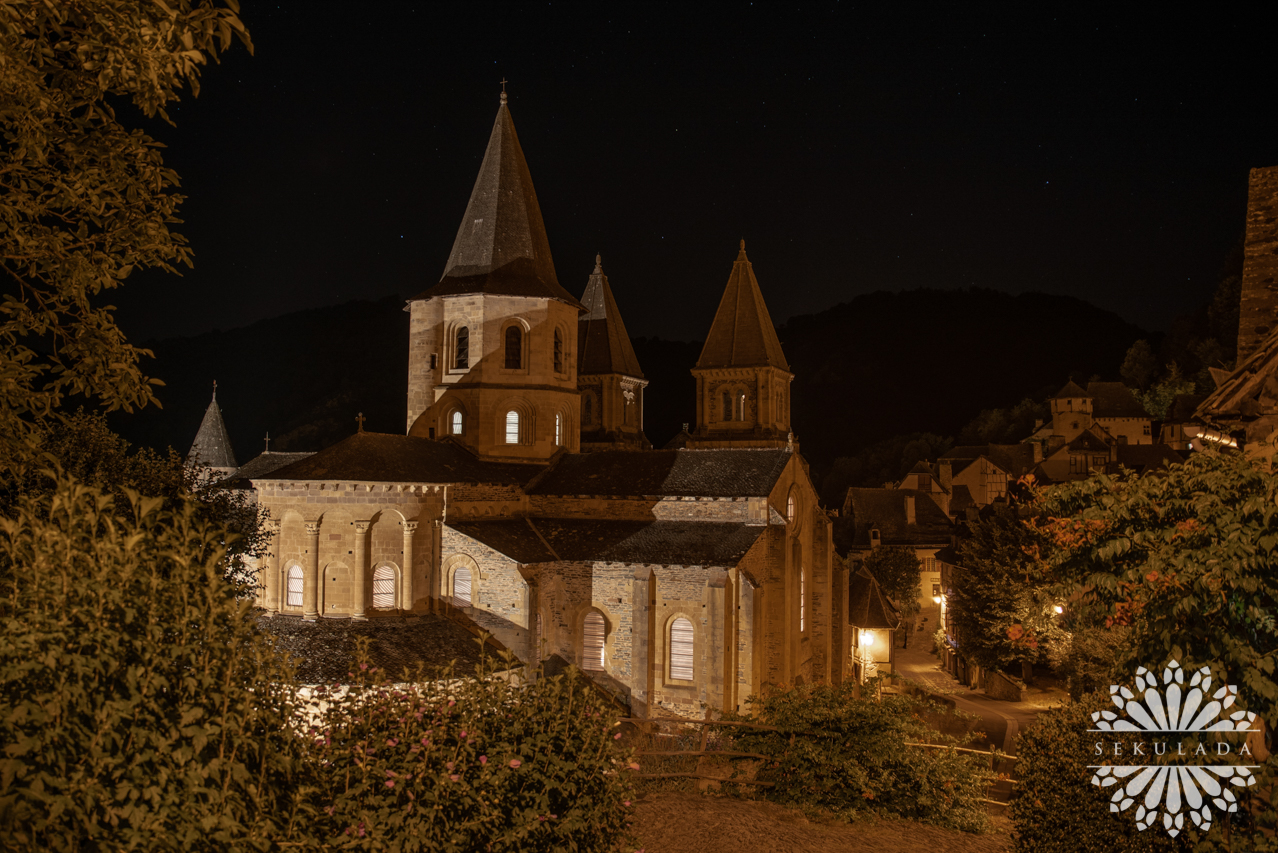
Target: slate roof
960, 499
1114, 400
1089, 442
1071, 389
602, 343
884, 510
381, 458
1016, 459
867, 606
1250, 390
742, 334
260, 466
673, 473
501, 246
688, 543
212, 445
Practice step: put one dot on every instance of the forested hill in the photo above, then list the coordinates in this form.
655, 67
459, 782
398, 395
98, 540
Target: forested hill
880, 365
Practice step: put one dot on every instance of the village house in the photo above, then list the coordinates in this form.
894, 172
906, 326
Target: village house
525, 498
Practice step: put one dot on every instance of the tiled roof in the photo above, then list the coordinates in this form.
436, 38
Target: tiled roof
501, 246
212, 446
867, 607
742, 334
689, 543
1114, 400
1016, 459
260, 466
1250, 390
602, 343
1089, 442
1071, 389
884, 510
381, 458
674, 473
960, 499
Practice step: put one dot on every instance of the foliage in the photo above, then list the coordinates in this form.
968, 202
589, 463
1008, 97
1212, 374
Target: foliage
886, 461
1005, 426
1139, 366
138, 707
848, 755
488, 762
85, 448
1089, 660
84, 201
1000, 605
1186, 562
1058, 810
1158, 399
897, 570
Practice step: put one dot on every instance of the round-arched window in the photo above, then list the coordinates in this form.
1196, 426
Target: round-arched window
461, 359
514, 347
384, 588
790, 508
559, 351
512, 427
681, 647
456, 425
593, 636
294, 587
461, 587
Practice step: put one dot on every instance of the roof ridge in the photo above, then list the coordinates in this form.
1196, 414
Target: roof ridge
737, 338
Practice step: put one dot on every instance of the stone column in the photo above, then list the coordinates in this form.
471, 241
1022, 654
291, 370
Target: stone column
361, 571
271, 569
310, 588
406, 571
641, 642
436, 582
716, 614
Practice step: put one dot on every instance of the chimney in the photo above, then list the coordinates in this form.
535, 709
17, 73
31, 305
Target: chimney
1038, 451
909, 509
945, 470
1038, 424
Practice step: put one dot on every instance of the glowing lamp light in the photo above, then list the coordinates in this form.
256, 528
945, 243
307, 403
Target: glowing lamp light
1058, 610
867, 639
936, 599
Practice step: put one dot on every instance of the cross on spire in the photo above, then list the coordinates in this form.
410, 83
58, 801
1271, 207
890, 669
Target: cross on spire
268, 442
503, 90
360, 420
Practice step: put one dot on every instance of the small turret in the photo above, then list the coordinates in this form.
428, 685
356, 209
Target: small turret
212, 446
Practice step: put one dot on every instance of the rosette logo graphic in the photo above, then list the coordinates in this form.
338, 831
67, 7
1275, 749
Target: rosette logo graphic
1166, 719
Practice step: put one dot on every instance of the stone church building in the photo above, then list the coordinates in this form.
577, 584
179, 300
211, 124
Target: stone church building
525, 497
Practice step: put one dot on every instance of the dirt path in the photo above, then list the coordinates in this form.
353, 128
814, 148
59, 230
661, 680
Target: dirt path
691, 823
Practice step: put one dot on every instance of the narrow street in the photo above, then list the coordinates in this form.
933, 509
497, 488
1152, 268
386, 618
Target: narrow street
1003, 720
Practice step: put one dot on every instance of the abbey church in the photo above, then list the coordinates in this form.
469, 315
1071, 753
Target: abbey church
525, 497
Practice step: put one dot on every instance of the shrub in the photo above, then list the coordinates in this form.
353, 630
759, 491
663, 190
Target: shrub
489, 762
139, 710
849, 755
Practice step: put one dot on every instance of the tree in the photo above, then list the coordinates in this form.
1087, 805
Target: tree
84, 201
1140, 366
1000, 604
897, 571
1158, 399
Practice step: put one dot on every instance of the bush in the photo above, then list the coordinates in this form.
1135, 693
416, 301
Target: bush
139, 710
487, 762
849, 755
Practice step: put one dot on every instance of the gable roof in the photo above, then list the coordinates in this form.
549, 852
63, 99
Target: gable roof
602, 343
1114, 400
1088, 441
742, 334
501, 245
1016, 460
212, 445
687, 543
1071, 389
867, 606
674, 473
884, 510
380, 458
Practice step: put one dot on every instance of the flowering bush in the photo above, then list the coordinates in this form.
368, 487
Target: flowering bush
494, 762
848, 755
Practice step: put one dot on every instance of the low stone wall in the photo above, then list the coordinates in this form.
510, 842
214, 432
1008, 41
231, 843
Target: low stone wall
1000, 686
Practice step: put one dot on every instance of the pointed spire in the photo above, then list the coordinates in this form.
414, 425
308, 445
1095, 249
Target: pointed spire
212, 445
501, 246
602, 343
742, 334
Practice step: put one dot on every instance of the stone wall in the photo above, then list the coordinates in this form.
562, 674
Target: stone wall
1258, 312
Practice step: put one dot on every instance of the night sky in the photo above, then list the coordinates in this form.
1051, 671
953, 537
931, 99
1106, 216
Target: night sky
1086, 151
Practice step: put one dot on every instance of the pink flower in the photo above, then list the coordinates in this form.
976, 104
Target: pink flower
625, 802
449, 765
634, 766
363, 666
463, 734
617, 736
454, 777
483, 759
390, 783
394, 742
515, 762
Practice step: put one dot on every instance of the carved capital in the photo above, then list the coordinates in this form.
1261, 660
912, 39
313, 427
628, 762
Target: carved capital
410, 527
362, 526
312, 528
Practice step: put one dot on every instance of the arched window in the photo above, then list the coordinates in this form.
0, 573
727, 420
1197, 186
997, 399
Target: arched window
559, 420
681, 660
461, 587
457, 422
727, 405
803, 600
559, 351
512, 427
592, 642
295, 586
462, 358
789, 509
514, 347
587, 409
741, 407
384, 588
